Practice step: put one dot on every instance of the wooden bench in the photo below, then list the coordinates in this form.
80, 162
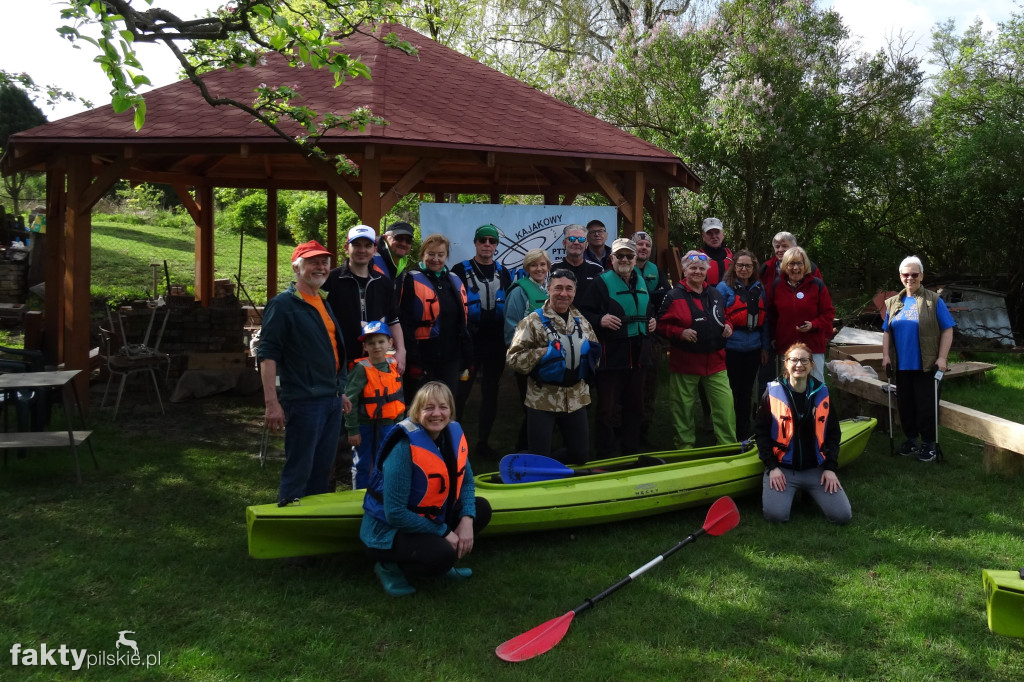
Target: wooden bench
1003, 439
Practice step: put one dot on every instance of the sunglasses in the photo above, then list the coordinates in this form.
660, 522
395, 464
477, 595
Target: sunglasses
637, 236
561, 272
697, 256
403, 239
578, 240
487, 240
911, 275
624, 256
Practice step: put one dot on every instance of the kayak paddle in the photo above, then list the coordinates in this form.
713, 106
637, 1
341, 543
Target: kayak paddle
524, 467
722, 517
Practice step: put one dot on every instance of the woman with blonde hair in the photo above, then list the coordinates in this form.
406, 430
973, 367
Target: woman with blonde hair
432, 311
800, 309
421, 513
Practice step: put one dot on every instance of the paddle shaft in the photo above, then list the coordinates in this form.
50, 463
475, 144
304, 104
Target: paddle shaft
692, 537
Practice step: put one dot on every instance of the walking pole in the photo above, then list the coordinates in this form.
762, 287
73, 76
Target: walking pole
938, 379
888, 394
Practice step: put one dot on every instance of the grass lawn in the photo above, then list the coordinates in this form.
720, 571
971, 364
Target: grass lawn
121, 255
154, 542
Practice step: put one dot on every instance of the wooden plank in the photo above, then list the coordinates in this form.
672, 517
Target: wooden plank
996, 431
216, 360
41, 439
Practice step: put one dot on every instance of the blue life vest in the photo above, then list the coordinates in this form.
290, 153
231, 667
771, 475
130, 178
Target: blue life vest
568, 358
494, 295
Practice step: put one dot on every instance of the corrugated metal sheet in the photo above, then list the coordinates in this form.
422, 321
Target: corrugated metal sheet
979, 313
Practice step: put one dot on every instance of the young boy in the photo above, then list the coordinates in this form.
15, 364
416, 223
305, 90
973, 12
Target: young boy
375, 389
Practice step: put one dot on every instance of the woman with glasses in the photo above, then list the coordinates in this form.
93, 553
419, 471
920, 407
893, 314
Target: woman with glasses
556, 349
524, 296
747, 349
798, 440
692, 319
918, 334
800, 309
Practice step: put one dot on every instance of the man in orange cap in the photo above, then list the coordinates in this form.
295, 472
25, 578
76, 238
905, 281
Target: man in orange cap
301, 343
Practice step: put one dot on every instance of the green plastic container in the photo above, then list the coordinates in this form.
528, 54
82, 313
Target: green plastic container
1004, 594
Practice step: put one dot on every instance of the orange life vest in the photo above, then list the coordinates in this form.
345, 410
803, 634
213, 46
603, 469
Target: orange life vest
382, 396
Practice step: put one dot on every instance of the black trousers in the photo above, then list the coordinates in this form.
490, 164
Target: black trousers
620, 403
742, 368
422, 555
915, 398
540, 425
489, 365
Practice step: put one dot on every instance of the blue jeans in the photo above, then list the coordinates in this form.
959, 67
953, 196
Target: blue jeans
312, 428
367, 451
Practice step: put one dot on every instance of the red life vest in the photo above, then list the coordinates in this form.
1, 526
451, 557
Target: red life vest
747, 309
382, 396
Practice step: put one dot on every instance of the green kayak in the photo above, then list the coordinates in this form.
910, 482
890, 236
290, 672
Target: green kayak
323, 524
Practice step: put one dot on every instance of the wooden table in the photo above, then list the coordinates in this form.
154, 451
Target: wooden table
64, 380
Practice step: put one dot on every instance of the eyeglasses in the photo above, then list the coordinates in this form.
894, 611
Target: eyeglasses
597, 232
402, 239
795, 263
625, 256
697, 256
578, 240
488, 240
799, 361
911, 275
744, 265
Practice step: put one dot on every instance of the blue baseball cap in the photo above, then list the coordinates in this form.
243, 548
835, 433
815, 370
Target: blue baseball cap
375, 327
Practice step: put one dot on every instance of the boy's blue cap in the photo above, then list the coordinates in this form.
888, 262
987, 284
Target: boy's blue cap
375, 327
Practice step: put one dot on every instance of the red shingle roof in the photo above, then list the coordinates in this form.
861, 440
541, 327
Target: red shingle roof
438, 98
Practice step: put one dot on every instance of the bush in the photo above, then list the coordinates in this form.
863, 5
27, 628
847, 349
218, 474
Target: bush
249, 216
307, 218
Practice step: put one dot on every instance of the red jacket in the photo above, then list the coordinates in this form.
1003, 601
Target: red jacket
675, 317
789, 308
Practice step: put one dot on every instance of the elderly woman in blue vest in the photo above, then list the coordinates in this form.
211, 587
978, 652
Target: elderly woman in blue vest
798, 440
918, 334
747, 349
524, 296
421, 513
432, 311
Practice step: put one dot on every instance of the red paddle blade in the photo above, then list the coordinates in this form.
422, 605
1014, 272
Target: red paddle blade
536, 641
722, 517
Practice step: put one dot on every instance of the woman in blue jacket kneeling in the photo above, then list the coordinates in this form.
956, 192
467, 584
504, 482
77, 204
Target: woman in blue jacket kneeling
798, 439
420, 513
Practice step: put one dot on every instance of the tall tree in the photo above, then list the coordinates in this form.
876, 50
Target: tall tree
17, 113
972, 198
768, 104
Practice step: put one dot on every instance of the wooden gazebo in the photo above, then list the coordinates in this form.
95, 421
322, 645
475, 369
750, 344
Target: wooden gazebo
454, 126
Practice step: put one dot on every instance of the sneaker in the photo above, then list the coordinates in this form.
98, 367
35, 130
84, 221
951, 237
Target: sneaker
294, 502
393, 580
910, 448
930, 452
458, 573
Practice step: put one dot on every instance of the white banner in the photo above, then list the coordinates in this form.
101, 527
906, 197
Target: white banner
522, 227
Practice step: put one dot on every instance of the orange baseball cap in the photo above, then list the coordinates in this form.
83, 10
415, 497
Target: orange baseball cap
310, 249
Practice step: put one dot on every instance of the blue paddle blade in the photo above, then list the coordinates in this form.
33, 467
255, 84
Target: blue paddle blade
524, 467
